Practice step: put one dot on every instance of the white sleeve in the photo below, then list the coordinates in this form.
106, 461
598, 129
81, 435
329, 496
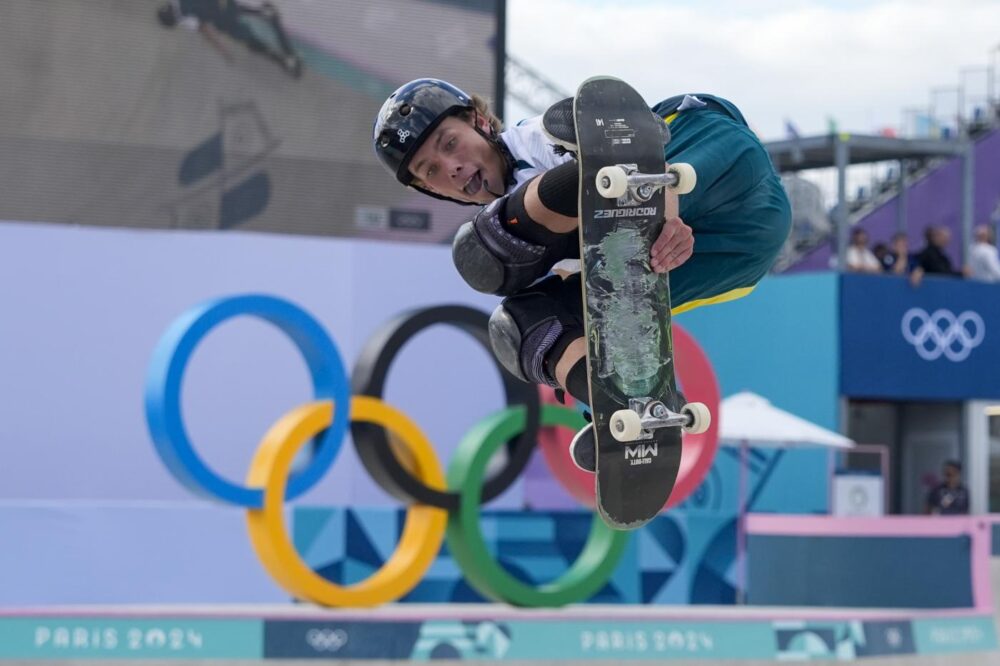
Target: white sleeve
993, 264
871, 261
853, 259
190, 22
531, 149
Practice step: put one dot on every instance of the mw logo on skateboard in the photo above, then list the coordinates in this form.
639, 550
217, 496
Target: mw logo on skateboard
641, 454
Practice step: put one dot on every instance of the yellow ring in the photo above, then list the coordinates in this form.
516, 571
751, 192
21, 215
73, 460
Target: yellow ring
422, 535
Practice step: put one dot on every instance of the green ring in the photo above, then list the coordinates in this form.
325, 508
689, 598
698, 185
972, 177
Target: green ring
592, 568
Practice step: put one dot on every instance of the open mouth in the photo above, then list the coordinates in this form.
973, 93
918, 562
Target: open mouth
474, 184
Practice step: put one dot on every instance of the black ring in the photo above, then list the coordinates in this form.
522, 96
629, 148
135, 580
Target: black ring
371, 441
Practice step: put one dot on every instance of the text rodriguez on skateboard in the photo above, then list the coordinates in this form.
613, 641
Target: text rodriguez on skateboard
435, 138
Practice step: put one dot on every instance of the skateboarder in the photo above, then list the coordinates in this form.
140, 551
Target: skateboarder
212, 17
437, 139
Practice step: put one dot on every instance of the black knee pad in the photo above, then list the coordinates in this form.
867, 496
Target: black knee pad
530, 330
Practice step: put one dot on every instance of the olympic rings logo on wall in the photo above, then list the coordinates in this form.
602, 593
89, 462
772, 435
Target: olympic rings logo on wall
440, 506
948, 334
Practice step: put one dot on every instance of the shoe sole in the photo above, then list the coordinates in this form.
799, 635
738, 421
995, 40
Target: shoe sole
564, 121
572, 147
572, 450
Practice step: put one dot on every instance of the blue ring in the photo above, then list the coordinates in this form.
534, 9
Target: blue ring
163, 389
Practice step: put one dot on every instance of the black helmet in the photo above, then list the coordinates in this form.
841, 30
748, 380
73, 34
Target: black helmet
409, 116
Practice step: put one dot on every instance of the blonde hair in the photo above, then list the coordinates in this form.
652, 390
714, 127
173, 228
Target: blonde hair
483, 109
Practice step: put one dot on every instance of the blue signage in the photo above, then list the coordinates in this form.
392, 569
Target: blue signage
100, 638
304, 639
953, 635
566, 639
938, 341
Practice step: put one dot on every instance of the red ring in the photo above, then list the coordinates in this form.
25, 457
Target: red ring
699, 383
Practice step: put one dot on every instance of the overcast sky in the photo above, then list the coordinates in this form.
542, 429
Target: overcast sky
861, 62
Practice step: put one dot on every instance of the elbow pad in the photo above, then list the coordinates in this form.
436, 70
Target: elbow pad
494, 261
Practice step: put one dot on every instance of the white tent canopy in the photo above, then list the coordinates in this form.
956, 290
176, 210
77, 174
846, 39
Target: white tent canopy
747, 418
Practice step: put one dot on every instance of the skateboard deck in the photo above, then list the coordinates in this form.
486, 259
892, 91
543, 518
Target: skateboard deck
627, 305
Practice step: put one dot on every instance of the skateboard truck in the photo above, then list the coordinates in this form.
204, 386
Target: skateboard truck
615, 181
647, 414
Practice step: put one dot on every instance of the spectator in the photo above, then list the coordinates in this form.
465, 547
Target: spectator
932, 259
895, 260
984, 259
900, 253
881, 252
859, 258
950, 497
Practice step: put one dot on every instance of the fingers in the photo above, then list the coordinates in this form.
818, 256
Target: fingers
663, 241
673, 247
673, 259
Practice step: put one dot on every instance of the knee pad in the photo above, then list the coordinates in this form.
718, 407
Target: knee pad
502, 250
530, 330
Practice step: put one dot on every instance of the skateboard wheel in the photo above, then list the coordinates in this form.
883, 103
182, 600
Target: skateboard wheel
699, 418
687, 178
612, 182
625, 425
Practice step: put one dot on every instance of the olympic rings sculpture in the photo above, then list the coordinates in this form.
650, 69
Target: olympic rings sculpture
441, 506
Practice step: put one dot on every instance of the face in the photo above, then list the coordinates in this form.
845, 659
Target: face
951, 475
457, 162
861, 239
942, 237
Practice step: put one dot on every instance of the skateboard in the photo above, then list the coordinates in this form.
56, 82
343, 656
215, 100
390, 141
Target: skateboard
638, 413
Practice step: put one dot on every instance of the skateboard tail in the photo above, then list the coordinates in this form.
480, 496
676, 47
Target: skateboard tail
619, 521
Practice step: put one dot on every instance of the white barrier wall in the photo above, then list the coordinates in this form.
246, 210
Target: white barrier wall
82, 309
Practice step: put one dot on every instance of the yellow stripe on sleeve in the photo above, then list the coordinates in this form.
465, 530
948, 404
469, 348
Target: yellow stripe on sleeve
721, 298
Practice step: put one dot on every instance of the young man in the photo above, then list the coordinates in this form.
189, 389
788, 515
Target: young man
437, 139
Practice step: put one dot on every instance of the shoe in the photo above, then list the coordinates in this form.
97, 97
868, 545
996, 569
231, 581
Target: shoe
559, 126
581, 449
558, 123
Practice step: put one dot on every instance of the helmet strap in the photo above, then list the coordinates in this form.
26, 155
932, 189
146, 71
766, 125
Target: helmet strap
501, 149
